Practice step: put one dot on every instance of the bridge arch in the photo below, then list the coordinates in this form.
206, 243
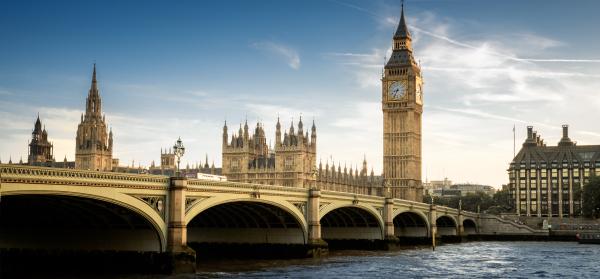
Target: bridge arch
411, 224
446, 225
470, 226
350, 221
91, 220
245, 220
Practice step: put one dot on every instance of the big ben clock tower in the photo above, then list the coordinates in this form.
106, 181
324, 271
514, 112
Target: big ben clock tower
402, 105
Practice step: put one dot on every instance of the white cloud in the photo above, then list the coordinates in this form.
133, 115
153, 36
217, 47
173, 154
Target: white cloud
476, 89
290, 55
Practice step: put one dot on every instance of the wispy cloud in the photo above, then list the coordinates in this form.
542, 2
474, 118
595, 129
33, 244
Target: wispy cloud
477, 88
290, 55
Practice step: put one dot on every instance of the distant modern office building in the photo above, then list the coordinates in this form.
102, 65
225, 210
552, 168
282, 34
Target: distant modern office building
546, 180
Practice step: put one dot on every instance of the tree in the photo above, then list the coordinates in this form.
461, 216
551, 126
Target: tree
502, 201
591, 198
499, 203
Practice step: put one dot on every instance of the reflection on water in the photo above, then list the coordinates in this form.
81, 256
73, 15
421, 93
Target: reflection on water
473, 260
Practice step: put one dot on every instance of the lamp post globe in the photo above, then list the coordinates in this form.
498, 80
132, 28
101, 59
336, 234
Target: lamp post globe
178, 150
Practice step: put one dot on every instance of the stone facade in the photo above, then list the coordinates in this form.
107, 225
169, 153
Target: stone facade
292, 162
546, 180
248, 158
93, 144
40, 149
402, 105
168, 166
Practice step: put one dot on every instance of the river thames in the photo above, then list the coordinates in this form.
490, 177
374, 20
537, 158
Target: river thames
464, 260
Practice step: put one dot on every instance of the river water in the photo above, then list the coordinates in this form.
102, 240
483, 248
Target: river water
464, 260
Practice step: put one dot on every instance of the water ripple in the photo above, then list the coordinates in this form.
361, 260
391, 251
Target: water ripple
467, 260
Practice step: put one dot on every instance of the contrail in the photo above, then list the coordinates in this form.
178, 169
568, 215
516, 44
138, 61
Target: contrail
457, 43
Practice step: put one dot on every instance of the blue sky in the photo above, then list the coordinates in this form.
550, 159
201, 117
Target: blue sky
181, 68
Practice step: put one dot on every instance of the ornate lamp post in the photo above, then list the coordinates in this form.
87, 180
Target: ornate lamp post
386, 186
178, 150
314, 175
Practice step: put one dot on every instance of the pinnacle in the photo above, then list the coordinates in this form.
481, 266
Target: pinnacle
402, 30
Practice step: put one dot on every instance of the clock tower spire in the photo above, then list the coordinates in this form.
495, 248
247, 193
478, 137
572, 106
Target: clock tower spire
402, 105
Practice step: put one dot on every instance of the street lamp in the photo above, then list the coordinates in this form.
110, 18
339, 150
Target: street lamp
178, 150
386, 185
314, 174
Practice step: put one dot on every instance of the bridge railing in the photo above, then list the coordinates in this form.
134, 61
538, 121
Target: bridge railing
200, 183
34, 174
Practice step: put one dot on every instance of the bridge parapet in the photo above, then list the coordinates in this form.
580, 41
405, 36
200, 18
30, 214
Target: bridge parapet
199, 185
43, 175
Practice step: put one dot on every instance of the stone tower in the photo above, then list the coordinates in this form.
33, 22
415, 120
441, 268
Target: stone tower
402, 105
40, 149
94, 144
296, 155
248, 158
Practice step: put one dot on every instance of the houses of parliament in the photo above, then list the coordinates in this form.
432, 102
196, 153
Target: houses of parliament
292, 161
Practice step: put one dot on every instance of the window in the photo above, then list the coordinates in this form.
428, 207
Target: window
565, 173
543, 173
522, 173
575, 172
554, 173
586, 173
533, 173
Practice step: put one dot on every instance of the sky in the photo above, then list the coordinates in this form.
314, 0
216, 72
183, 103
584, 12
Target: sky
181, 68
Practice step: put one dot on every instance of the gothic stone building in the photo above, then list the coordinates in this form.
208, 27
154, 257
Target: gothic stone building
93, 144
248, 158
40, 149
546, 180
168, 166
292, 163
402, 105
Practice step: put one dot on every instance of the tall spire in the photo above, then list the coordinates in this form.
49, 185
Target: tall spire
94, 74
94, 86
38, 124
402, 30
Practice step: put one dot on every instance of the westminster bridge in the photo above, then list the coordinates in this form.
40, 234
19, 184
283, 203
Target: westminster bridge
53, 208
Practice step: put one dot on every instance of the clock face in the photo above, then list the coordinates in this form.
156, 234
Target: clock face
397, 90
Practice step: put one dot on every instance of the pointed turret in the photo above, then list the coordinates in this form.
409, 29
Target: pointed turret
277, 133
94, 107
300, 126
246, 135
225, 136
94, 82
38, 124
402, 30
401, 48
110, 140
